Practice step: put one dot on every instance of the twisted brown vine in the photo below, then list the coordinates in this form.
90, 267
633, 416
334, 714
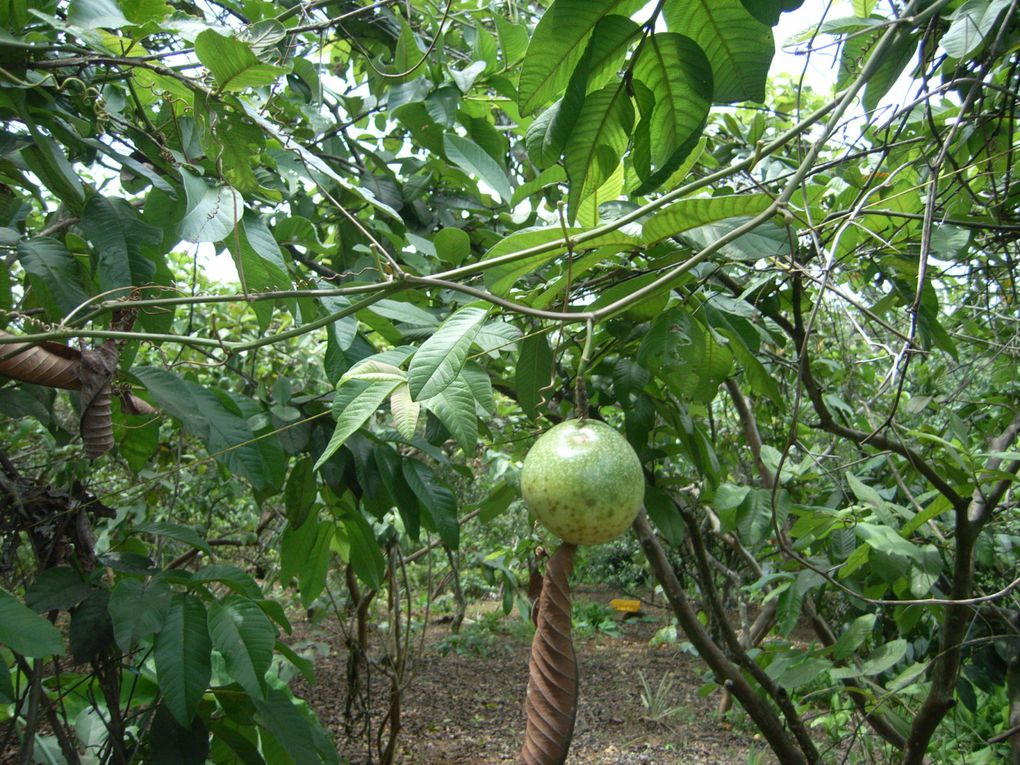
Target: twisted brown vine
551, 705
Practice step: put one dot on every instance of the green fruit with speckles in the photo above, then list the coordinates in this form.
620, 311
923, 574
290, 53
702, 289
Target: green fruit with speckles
583, 481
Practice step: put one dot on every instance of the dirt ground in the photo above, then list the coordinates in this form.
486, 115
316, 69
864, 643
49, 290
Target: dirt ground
465, 707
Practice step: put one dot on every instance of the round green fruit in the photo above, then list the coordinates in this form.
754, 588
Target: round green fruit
583, 481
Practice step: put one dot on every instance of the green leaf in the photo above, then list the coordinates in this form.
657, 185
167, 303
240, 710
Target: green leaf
232, 63
366, 557
244, 635
211, 212
453, 245
557, 46
598, 141
26, 632
117, 233
675, 70
534, 373
389, 464
738, 46
895, 59
91, 629
373, 370
885, 657
546, 244
96, 14
183, 534
972, 23
474, 160
138, 609
355, 402
768, 11
173, 744
854, 636
260, 264
689, 214
294, 729
438, 361
46, 159
435, 497
454, 405
300, 492
886, 540
182, 653
665, 515
56, 589
53, 275
304, 553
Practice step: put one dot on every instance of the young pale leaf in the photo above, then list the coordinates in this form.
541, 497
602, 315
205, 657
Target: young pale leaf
738, 46
558, 44
455, 408
405, 411
374, 371
676, 71
693, 213
473, 159
245, 636
182, 654
436, 497
26, 632
598, 141
232, 63
439, 360
355, 402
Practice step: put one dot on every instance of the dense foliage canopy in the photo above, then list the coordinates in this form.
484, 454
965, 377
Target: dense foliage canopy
453, 225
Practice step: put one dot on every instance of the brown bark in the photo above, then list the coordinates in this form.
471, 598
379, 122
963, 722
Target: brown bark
551, 705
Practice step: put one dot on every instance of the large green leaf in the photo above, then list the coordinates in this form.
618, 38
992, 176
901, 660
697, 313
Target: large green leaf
95, 14
304, 555
454, 405
598, 141
226, 432
677, 73
91, 630
170, 743
232, 63
534, 372
26, 632
244, 635
56, 589
117, 233
437, 363
895, 59
300, 737
739, 47
558, 44
211, 212
260, 265
548, 242
355, 401
46, 159
182, 654
365, 556
138, 609
53, 274
692, 213
436, 498
972, 23
474, 160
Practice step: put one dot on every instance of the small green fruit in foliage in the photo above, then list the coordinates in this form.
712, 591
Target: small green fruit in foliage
583, 481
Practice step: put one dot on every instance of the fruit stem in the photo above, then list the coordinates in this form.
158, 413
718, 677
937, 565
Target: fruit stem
580, 384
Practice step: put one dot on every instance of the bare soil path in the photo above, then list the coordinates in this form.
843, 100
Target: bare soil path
464, 705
